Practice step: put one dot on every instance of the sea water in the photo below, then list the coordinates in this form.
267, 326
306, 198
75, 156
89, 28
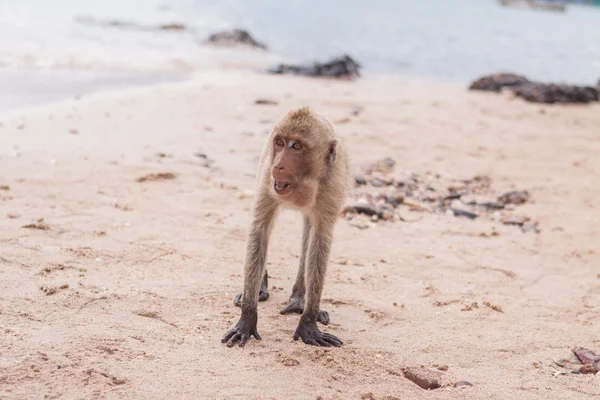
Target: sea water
47, 49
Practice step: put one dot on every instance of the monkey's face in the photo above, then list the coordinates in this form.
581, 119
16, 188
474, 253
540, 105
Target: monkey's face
291, 165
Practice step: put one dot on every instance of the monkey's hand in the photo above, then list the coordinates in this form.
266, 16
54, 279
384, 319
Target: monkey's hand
310, 334
242, 331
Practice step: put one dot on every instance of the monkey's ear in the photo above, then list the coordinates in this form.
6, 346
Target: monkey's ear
332, 150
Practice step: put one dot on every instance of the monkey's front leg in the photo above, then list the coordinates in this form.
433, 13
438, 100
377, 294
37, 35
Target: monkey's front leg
316, 267
254, 266
297, 299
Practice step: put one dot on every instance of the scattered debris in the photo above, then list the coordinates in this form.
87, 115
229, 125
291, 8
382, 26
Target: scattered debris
380, 193
493, 306
161, 176
172, 27
425, 378
287, 361
153, 315
356, 110
206, 161
123, 207
537, 92
584, 361
338, 67
58, 267
4, 187
515, 197
266, 102
50, 290
234, 37
463, 384
112, 380
39, 224
470, 307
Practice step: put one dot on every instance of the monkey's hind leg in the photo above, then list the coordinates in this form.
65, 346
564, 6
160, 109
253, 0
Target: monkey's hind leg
316, 266
263, 295
297, 299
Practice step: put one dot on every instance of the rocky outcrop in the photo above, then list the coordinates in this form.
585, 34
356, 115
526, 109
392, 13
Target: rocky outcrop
234, 37
338, 67
537, 92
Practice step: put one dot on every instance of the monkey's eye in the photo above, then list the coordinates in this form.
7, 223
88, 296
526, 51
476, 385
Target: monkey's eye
297, 146
279, 142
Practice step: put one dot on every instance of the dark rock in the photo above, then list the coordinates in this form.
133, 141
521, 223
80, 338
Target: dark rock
234, 37
266, 102
463, 213
380, 182
553, 93
338, 67
360, 180
425, 378
367, 209
395, 200
537, 92
356, 110
515, 220
515, 197
496, 82
452, 195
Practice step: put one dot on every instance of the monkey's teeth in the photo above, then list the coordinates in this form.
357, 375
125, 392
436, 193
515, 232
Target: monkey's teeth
281, 185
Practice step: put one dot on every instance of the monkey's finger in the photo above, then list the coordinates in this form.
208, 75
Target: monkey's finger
227, 336
244, 339
323, 317
256, 335
234, 339
332, 339
296, 336
291, 309
322, 343
310, 341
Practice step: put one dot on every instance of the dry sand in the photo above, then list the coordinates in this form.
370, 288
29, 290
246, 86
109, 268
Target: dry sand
127, 287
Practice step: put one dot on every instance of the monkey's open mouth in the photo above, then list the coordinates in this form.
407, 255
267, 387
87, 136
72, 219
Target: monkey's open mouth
282, 188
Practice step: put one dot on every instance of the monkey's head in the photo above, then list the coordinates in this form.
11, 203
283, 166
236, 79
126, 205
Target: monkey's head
303, 146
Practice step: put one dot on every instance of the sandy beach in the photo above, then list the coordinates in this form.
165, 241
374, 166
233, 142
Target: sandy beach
122, 289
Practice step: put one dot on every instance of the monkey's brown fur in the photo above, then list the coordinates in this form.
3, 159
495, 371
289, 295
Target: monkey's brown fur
305, 167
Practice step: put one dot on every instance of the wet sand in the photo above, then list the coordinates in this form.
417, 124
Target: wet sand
122, 289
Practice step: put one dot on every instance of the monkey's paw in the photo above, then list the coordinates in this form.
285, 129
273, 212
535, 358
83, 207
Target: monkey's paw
310, 334
297, 306
241, 332
263, 295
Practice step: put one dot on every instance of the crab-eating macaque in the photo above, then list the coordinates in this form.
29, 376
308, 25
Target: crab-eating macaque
303, 166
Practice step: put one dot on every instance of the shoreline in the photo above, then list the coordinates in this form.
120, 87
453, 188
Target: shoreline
78, 84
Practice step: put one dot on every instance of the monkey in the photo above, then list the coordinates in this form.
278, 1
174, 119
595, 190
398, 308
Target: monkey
304, 167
